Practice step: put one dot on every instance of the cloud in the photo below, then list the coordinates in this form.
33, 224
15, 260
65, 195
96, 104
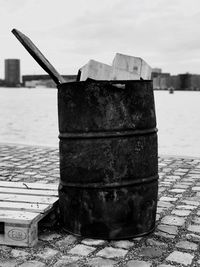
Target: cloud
164, 32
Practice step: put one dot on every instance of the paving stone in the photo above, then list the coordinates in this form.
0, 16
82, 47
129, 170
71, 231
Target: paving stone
193, 237
123, 244
49, 236
181, 186
30, 173
93, 242
177, 190
160, 210
173, 220
181, 258
174, 177
39, 176
15, 179
161, 189
151, 252
109, 252
194, 228
99, 262
194, 176
165, 204
187, 181
172, 230
32, 264
82, 250
47, 253
67, 241
182, 213
187, 245
179, 173
158, 217
170, 199
66, 261
137, 238
198, 212
196, 220
169, 179
63, 264
190, 202
182, 170
42, 165
19, 253
196, 188
166, 184
179, 195
5, 249
152, 242
186, 207
8, 263
136, 263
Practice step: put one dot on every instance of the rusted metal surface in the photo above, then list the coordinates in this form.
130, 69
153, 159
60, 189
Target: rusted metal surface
108, 158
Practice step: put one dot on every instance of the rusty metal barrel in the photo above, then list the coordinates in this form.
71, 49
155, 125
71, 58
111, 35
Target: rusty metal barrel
108, 158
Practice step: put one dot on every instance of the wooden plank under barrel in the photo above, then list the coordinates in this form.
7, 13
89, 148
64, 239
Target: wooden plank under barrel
108, 158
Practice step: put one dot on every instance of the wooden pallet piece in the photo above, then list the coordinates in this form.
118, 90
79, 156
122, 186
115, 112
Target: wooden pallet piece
95, 70
129, 67
22, 206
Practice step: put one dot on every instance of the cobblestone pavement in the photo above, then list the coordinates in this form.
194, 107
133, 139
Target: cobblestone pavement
175, 241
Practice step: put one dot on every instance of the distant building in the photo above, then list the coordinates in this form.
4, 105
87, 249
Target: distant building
156, 72
12, 72
185, 81
161, 81
175, 82
195, 80
164, 81
2, 83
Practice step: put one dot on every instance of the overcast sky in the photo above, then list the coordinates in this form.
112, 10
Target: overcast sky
165, 33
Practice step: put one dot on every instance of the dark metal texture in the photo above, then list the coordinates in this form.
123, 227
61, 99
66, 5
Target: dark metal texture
108, 158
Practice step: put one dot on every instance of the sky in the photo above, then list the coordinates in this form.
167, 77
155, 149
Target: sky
165, 33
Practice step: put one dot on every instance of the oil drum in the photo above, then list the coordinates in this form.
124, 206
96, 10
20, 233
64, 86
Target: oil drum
108, 158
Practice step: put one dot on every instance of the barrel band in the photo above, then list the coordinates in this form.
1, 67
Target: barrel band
106, 134
111, 185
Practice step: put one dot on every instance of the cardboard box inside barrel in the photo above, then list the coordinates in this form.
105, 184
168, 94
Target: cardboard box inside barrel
124, 67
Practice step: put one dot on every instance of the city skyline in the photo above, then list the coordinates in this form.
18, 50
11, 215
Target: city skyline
42, 72
161, 80
70, 33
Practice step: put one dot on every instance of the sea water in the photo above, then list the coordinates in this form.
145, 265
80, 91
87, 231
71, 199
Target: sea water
29, 116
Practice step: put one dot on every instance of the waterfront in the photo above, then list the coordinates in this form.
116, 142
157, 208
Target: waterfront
29, 116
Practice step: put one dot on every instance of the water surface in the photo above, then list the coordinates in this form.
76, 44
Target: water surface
29, 116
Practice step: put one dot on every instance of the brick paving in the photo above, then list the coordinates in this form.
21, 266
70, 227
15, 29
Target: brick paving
175, 241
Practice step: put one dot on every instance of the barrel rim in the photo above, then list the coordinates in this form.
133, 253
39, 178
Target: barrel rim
106, 134
104, 237
104, 82
103, 185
